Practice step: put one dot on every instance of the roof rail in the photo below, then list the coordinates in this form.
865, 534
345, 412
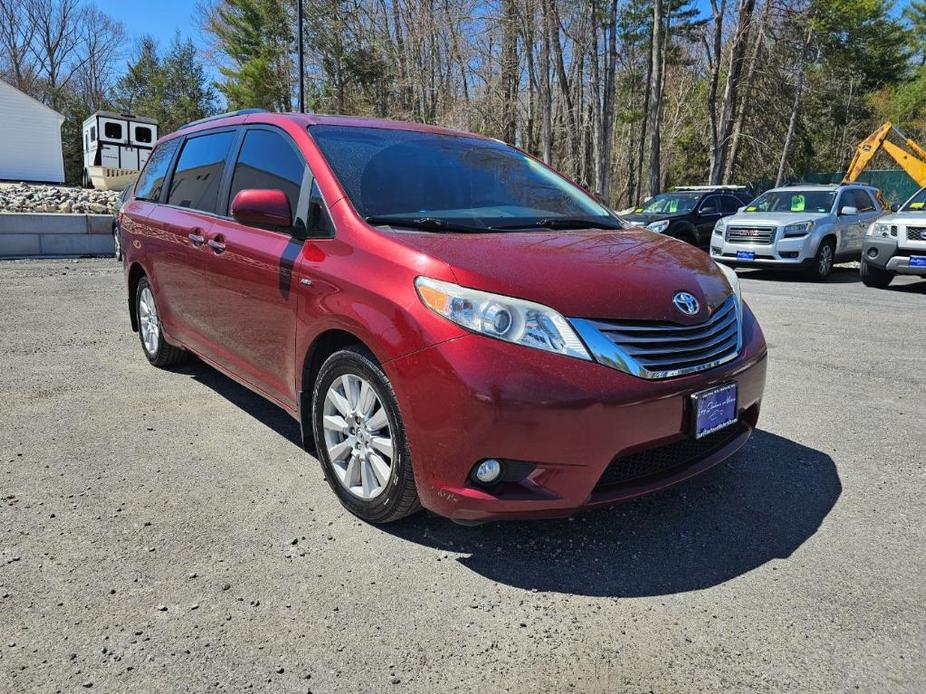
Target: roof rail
229, 114
717, 187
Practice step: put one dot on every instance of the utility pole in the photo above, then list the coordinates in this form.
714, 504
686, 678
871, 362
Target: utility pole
301, 61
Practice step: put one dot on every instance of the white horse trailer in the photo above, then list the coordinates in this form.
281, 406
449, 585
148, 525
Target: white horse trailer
116, 147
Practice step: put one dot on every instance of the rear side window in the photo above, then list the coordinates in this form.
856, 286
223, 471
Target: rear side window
151, 180
730, 204
143, 134
198, 173
267, 160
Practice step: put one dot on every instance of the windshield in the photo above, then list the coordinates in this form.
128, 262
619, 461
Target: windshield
917, 203
793, 201
669, 203
438, 181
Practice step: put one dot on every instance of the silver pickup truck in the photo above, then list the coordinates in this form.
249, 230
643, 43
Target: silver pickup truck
806, 227
896, 244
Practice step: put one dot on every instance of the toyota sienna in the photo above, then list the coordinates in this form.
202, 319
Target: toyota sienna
453, 324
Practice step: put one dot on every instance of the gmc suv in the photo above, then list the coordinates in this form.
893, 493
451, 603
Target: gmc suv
452, 323
807, 227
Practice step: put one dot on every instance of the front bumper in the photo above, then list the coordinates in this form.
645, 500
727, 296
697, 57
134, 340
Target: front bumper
473, 398
885, 253
795, 252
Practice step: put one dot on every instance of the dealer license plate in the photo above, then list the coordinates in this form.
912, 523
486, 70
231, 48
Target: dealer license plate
918, 261
714, 409
745, 255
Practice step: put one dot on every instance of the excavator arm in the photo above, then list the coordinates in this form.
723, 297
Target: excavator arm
914, 164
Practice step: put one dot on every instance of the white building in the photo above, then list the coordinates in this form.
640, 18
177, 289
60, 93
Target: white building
30, 138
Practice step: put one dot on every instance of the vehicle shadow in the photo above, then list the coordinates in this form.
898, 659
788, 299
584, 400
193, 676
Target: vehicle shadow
839, 275
264, 411
761, 505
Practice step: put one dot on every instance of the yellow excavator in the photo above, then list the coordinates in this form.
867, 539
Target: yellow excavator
914, 164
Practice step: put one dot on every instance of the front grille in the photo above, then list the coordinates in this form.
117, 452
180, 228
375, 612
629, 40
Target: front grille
763, 235
916, 233
663, 349
664, 460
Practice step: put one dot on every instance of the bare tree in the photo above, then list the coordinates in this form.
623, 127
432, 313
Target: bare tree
16, 34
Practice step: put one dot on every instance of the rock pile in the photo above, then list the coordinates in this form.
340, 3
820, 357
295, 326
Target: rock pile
28, 197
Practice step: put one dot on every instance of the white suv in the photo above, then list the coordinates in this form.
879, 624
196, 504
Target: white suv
896, 244
806, 227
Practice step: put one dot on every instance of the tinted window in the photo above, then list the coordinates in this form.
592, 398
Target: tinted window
112, 131
196, 179
670, 203
267, 160
730, 205
152, 176
452, 179
143, 134
711, 202
862, 201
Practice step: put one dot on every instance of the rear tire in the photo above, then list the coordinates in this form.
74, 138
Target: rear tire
874, 276
823, 262
356, 422
157, 349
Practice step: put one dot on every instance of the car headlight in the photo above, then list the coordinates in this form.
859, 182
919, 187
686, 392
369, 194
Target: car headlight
734, 281
502, 317
799, 229
719, 227
658, 227
882, 230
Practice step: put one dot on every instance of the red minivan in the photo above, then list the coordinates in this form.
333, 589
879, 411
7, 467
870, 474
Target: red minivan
453, 324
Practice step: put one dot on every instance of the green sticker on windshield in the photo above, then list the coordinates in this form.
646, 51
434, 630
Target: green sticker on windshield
751, 208
797, 203
673, 205
638, 210
917, 205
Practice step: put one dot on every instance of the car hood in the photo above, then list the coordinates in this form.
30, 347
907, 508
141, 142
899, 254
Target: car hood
773, 218
908, 218
630, 274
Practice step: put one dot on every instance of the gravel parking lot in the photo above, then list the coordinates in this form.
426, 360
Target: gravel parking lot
163, 531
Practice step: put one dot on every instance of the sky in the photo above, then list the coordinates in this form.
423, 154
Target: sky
159, 18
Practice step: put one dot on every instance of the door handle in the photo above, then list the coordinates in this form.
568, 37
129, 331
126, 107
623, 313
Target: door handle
216, 245
197, 238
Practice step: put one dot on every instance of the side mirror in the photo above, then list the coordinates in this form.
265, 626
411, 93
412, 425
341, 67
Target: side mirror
741, 209
264, 208
848, 211
708, 210
894, 207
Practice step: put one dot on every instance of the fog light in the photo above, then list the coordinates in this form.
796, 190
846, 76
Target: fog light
872, 252
488, 471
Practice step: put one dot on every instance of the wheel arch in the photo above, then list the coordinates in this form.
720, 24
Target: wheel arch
136, 272
323, 346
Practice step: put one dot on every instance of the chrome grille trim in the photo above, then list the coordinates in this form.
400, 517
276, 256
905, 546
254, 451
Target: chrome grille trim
656, 350
916, 233
750, 234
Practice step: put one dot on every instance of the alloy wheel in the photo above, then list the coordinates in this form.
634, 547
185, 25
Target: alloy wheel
148, 321
358, 437
826, 260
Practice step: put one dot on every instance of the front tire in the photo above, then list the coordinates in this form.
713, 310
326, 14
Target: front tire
157, 349
875, 276
360, 438
823, 262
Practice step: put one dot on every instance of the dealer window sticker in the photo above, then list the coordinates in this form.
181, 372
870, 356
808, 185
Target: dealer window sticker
797, 203
917, 205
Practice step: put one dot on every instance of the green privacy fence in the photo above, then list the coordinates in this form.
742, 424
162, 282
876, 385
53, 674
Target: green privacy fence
894, 184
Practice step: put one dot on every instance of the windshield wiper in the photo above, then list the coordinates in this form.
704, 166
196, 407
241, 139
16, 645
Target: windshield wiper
430, 223
562, 223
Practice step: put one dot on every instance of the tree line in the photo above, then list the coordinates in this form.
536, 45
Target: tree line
628, 97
